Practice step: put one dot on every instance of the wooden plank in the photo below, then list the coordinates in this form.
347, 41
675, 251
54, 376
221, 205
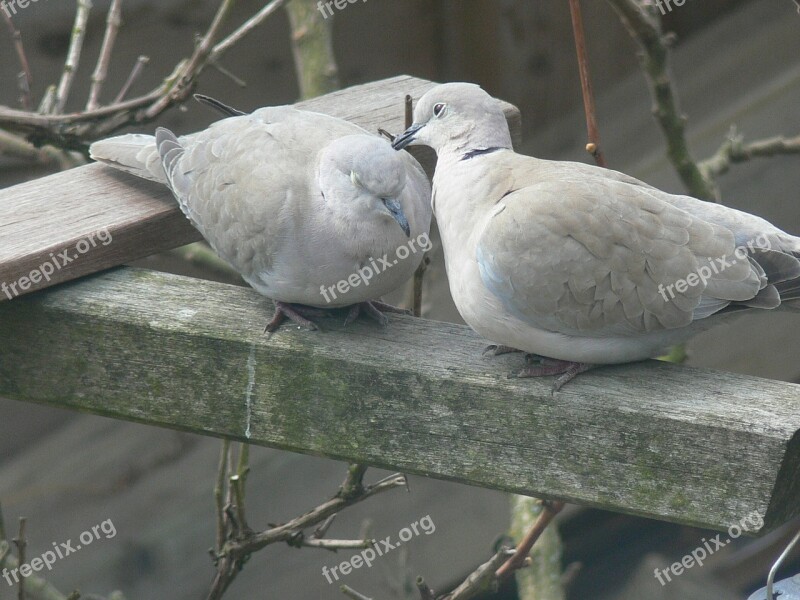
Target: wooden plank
652, 439
44, 224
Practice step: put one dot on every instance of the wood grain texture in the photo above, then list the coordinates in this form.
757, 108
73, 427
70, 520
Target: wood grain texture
41, 219
653, 439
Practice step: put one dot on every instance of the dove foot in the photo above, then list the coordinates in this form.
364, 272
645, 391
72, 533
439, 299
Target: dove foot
297, 313
566, 370
498, 349
373, 310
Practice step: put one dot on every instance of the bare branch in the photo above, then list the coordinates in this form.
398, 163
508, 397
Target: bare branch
734, 151
21, 544
481, 578
351, 593
419, 278
2, 526
75, 131
219, 493
334, 545
141, 63
551, 509
73, 54
194, 66
113, 21
239, 547
425, 592
643, 24
246, 27
26, 78
593, 145
312, 46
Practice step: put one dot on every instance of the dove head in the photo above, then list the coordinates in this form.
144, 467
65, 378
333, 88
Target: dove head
362, 180
457, 118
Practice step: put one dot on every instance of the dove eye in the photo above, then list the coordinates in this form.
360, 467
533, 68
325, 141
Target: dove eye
438, 109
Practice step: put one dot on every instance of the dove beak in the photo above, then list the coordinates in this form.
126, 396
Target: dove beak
394, 208
407, 137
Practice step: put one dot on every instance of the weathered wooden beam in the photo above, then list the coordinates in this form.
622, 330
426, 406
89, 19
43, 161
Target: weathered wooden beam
59, 224
653, 439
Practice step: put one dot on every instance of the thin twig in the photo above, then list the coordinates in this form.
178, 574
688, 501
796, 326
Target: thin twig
481, 578
517, 561
425, 592
2, 524
334, 545
351, 593
593, 145
734, 150
320, 531
642, 23
237, 486
21, 543
219, 493
73, 54
26, 78
184, 82
245, 28
113, 21
353, 484
419, 273
238, 483
419, 277
74, 131
47, 103
237, 549
5, 551
141, 63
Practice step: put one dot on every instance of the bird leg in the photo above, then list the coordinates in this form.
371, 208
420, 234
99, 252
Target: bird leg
567, 370
373, 308
297, 313
303, 315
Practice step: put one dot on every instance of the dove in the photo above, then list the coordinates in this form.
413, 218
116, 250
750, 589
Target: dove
577, 265
295, 201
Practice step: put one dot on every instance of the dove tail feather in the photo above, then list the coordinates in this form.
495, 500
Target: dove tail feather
133, 153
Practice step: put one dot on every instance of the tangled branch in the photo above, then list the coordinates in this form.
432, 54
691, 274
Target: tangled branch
74, 131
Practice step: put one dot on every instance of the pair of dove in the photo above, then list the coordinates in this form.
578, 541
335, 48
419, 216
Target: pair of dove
573, 264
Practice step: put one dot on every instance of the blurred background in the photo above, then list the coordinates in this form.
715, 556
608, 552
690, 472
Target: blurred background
736, 63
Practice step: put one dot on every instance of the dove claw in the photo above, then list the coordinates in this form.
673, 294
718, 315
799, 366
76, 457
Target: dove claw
296, 313
566, 370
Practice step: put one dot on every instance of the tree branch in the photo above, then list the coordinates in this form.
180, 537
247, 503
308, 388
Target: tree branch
481, 579
312, 46
734, 151
73, 55
593, 145
75, 131
26, 79
241, 542
113, 21
644, 26
517, 561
